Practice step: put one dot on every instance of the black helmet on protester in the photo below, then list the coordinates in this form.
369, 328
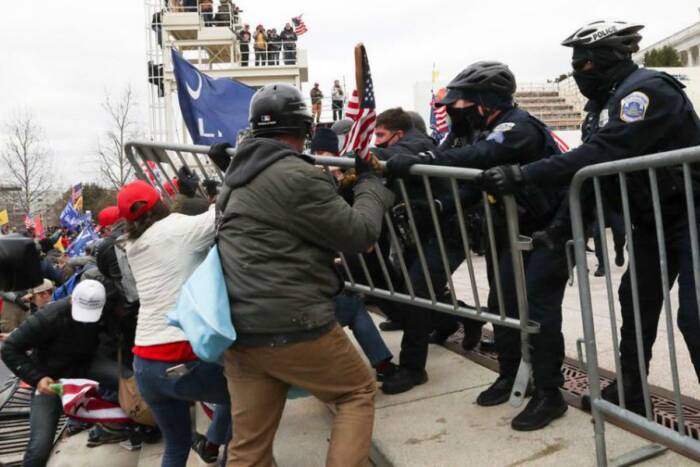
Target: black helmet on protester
620, 36
487, 77
279, 109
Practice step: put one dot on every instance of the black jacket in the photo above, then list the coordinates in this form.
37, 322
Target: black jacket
60, 346
647, 112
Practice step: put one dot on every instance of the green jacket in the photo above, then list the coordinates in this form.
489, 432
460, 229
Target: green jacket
283, 224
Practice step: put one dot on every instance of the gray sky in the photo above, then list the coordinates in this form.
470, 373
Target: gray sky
59, 58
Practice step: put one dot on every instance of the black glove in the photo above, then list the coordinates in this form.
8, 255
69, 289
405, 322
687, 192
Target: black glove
219, 156
363, 168
188, 181
211, 187
503, 180
400, 164
553, 236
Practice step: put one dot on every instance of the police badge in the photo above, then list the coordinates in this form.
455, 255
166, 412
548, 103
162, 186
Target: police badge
633, 107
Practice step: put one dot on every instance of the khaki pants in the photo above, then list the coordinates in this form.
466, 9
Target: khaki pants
316, 111
329, 368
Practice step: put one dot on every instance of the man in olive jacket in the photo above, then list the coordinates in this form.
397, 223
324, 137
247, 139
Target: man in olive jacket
282, 225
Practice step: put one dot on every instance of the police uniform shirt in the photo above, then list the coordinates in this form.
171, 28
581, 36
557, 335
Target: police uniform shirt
647, 113
514, 139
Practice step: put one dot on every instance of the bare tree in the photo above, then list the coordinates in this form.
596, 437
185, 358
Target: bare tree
114, 165
26, 158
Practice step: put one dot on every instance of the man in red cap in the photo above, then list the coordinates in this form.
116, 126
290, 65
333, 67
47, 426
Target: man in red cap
108, 217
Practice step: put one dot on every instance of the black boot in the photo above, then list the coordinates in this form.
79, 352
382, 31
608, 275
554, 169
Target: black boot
497, 393
634, 397
472, 334
403, 380
389, 325
600, 271
443, 332
546, 405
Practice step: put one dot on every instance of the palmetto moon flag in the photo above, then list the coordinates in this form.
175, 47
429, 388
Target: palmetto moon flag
361, 108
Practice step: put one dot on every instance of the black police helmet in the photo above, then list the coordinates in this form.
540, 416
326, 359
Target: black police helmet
279, 109
478, 78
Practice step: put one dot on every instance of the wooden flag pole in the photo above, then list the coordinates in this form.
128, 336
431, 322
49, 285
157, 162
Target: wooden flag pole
359, 79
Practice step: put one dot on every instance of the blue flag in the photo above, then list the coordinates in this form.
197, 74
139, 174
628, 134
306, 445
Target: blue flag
70, 217
77, 246
214, 110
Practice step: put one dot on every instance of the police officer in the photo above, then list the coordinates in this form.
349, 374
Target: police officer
480, 105
631, 112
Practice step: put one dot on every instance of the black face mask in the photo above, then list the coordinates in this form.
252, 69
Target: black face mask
592, 83
385, 144
465, 120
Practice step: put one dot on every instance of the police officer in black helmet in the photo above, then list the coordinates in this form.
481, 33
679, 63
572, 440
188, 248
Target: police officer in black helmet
631, 112
480, 105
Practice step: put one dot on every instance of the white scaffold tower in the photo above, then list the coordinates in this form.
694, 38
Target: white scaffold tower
207, 36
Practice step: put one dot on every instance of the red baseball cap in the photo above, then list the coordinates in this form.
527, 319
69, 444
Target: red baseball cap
135, 192
108, 216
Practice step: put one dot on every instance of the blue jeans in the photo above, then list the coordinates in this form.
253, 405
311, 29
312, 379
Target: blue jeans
169, 399
350, 310
45, 411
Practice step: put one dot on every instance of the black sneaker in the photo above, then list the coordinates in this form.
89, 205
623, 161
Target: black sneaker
100, 435
472, 335
497, 393
545, 406
404, 380
209, 453
386, 370
389, 325
599, 272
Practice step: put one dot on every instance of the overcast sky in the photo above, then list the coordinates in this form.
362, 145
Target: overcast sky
58, 58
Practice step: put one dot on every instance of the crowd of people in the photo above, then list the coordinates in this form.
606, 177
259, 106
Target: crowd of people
279, 222
268, 44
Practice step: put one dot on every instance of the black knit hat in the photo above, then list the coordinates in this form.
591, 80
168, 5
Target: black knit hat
324, 139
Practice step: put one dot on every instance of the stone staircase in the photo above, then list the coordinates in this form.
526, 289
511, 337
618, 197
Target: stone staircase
551, 108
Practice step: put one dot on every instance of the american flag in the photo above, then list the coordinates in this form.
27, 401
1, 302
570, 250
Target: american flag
361, 109
563, 147
299, 26
28, 222
438, 119
81, 401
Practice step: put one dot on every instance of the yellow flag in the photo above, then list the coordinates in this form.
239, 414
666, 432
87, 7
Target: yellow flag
59, 246
4, 219
436, 75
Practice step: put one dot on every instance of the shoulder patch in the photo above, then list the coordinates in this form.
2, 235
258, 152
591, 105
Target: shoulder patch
633, 107
503, 127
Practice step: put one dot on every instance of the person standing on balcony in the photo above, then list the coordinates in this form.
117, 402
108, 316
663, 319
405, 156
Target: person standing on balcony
273, 47
632, 112
338, 98
244, 42
289, 44
316, 101
260, 46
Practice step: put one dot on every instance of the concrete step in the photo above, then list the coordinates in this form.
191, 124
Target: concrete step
557, 115
546, 107
542, 100
73, 452
526, 94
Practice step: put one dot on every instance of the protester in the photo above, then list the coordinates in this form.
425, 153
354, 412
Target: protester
63, 338
187, 200
337, 100
163, 249
260, 46
289, 44
282, 224
316, 102
244, 37
106, 218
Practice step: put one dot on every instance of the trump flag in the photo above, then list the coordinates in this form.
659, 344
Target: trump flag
214, 110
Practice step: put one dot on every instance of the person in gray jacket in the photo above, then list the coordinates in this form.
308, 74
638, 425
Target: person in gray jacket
281, 228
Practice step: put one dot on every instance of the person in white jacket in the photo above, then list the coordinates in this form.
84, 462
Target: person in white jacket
163, 249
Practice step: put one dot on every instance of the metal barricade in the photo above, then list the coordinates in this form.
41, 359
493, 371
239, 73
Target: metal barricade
586, 192
158, 163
